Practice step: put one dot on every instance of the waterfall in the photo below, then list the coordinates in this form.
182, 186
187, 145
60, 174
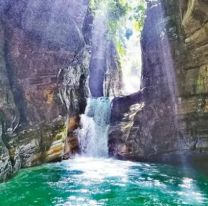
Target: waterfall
93, 135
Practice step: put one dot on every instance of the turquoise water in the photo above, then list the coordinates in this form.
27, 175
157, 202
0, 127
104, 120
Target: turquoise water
92, 182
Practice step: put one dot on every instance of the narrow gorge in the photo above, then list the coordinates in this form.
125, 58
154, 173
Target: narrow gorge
104, 102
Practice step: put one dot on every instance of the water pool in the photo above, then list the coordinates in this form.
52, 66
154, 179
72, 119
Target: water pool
107, 182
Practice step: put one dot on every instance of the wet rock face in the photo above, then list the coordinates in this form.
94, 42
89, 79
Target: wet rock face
6, 166
43, 70
193, 88
72, 142
169, 122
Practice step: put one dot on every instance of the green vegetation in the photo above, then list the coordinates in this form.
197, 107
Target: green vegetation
118, 13
93, 4
119, 10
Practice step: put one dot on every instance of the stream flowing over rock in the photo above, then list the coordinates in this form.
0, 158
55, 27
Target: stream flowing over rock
95, 124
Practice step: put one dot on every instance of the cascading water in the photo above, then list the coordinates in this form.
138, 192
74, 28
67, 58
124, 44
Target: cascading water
93, 136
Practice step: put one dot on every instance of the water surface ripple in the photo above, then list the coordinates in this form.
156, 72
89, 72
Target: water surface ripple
105, 182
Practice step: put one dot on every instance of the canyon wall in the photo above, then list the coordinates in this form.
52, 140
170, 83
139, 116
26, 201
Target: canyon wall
43, 70
167, 119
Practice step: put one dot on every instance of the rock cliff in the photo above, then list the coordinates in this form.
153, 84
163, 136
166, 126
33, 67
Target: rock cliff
167, 120
43, 71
